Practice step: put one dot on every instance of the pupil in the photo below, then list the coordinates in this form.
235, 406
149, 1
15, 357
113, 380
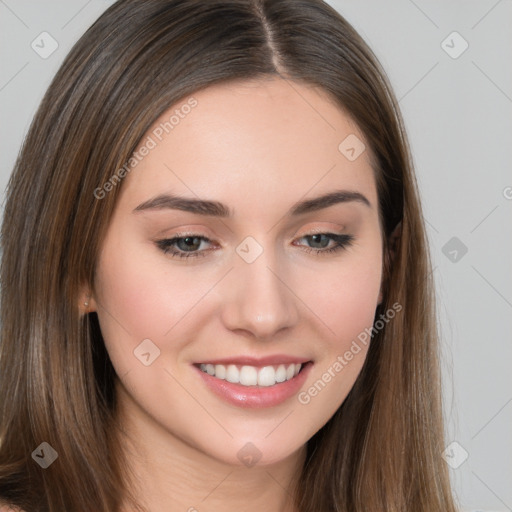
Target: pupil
321, 240
189, 243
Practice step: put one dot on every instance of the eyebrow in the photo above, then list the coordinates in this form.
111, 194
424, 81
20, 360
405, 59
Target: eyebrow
217, 209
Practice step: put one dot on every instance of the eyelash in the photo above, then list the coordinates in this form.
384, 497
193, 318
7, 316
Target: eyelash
341, 241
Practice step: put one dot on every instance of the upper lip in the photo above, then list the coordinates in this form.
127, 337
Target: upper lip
257, 361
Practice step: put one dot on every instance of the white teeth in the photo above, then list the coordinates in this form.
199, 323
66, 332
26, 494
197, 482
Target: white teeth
220, 371
248, 376
266, 376
251, 375
232, 374
281, 373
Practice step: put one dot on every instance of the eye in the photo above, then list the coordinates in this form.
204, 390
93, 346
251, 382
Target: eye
322, 243
184, 246
193, 245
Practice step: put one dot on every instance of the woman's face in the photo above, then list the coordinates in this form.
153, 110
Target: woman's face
222, 273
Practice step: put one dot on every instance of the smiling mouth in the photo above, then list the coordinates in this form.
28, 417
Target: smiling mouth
247, 375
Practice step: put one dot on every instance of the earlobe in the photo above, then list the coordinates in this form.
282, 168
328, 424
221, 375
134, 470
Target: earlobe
86, 303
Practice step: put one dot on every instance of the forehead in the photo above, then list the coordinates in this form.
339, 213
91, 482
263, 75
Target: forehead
252, 142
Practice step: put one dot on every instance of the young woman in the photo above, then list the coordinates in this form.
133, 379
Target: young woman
216, 291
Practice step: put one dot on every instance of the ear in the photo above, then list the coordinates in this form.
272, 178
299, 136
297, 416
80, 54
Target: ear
86, 302
391, 252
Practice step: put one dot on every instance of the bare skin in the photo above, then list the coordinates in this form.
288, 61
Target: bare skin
259, 148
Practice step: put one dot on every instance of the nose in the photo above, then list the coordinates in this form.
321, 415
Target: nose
258, 300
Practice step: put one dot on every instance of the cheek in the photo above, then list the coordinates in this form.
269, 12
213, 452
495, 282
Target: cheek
353, 300
346, 304
343, 296
139, 299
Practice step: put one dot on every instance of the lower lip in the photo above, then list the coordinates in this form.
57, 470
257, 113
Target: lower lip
256, 396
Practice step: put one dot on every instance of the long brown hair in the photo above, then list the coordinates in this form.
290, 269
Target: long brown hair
382, 449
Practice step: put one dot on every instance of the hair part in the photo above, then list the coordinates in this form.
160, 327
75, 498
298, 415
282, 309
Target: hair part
381, 449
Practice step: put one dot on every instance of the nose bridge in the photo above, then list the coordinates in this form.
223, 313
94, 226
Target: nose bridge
258, 301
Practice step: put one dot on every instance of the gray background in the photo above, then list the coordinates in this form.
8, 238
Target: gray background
457, 110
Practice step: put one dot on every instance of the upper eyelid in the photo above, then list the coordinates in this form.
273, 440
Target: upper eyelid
178, 236
340, 230
310, 227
